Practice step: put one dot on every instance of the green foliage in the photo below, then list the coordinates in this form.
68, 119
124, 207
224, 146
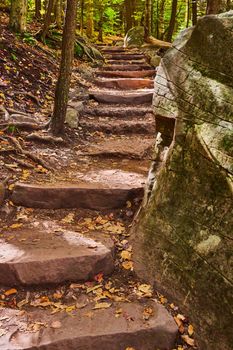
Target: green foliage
29, 39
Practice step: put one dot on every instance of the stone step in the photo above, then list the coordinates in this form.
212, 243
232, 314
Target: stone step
127, 74
117, 111
51, 256
113, 49
119, 97
124, 62
132, 147
125, 84
100, 189
108, 329
118, 126
125, 56
125, 67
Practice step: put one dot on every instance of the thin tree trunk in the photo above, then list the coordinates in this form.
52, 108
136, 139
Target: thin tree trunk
213, 7
194, 12
130, 7
18, 15
172, 20
47, 20
63, 83
90, 20
161, 19
187, 13
100, 23
82, 17
38, 9
148, 7
58, 13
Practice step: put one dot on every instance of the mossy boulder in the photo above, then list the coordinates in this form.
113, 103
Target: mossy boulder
183, 235
134, 37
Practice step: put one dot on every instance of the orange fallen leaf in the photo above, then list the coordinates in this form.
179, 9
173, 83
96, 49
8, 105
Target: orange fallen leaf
11, 291
14, 226
190, 330
127, 265
188, 340
101, 306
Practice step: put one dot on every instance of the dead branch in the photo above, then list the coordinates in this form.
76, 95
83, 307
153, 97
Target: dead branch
5, 112
22, 163
44, 138
28, 154
22, 125
29, 95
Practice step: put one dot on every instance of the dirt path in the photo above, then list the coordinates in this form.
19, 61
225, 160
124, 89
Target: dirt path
74, 250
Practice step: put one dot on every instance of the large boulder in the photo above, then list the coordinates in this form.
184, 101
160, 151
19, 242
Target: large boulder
183, 235
134, 37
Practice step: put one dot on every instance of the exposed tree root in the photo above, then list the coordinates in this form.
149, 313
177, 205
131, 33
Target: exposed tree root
44, 138
5, 112
28, 154
22, 125
22, 163
34, 98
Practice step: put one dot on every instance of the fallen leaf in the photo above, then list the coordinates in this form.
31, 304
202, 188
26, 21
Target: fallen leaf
190, 330
69, 219
126, 255
14, 226
127, 265
11, 291
146, 290
188, 340
101, 306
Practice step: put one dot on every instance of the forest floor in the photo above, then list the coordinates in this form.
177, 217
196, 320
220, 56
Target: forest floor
104, 149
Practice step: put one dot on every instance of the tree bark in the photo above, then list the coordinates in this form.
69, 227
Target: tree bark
63, 83
38, 9
47, 20
172, 20
213, 7
58, 13
82, 17
130, 7
148, 7
18, 15
194, 12
90, 20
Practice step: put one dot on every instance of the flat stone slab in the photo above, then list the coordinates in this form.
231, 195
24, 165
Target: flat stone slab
119, 97
125, 56
127, 74
132, 147
35, 257
103, 189
119, 112
125, 84
119, 126
114, 62
90, 329
125, 67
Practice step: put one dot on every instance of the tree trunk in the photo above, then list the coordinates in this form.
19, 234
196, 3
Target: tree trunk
90, 20
38, 9
58, 13
161, 19
194, 12
172, 20
67, 56
47, 20
213, 7
82, 17
130, 7
187, 13
101, 21
18, 15
148, 7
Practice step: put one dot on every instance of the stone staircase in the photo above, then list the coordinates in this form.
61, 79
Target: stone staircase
122, 98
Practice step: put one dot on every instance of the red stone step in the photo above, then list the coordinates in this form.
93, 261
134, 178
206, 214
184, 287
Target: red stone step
127, 74
45, 256
117, 111
125, 84
126, 67
119, 327
125, 56
105, 189
132, 147
118, 126
126, 62
119, 97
